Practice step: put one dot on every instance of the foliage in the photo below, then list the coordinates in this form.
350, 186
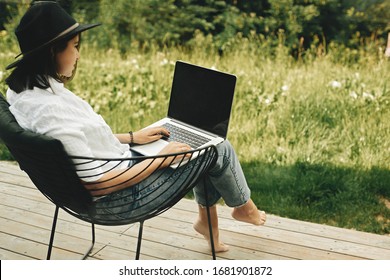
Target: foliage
141, 23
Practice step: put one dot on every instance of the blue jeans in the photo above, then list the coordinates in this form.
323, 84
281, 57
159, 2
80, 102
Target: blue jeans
224, 180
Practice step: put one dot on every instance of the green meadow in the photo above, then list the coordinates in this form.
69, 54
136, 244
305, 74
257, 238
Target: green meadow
312, 134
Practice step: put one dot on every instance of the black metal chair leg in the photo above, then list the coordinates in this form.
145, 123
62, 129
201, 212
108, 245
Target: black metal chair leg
209, 222
211, 233
53, 230
141, 227
93, 242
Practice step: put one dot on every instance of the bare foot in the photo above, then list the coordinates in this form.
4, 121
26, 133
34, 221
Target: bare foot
248, 213
203, 229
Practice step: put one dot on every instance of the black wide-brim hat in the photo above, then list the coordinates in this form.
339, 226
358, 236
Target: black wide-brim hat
44, 24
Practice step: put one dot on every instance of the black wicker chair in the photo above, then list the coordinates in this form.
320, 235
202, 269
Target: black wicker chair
53, 172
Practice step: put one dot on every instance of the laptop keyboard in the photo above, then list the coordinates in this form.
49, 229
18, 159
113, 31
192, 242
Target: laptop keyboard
179, 134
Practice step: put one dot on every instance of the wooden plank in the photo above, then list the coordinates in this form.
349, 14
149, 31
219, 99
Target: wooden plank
23, 192
11, 168
301, 238
71, 229
10, 255
33, 249
17, 181
317, 242
255, 246
38, 213
69, 243
376, 240
68, 228
115, 253
195, 243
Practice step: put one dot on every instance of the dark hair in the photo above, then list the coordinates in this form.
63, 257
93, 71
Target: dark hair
36, 69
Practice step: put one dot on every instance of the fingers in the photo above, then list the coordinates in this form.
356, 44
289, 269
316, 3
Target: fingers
151, 134
181, 147
159, 130
176, 147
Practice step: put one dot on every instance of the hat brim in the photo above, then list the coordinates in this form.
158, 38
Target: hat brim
74, 32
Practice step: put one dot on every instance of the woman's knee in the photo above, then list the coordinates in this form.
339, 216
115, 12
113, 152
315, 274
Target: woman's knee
225, 148
226, 155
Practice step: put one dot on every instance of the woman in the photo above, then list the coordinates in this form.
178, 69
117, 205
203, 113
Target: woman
49, 40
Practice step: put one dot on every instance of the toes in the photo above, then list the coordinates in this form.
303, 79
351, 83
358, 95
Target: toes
263, 217
221, 248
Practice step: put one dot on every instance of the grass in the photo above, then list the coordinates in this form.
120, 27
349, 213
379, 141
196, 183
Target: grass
312, 135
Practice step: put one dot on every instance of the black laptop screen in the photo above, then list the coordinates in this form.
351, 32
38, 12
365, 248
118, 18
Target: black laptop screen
202, 97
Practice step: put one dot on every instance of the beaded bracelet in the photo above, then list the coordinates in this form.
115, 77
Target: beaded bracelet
131, 138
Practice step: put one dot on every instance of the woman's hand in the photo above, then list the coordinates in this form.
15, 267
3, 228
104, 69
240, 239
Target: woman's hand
150, 134
172, 148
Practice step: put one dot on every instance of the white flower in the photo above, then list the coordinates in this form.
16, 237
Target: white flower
285, 88
152, 104
335, 84
267, 101
164, 62
1, 75
368, 96
353, 95
357, 75
280, 150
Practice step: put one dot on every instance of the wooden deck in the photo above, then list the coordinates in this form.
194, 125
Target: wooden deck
26, 216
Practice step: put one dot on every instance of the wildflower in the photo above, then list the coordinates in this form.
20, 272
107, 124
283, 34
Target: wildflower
280, 150
335, 84
152, 104
357, 75
284, 90
368, 96
164, 62
353, 95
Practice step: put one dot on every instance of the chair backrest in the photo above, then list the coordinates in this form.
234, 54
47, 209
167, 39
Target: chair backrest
43, 159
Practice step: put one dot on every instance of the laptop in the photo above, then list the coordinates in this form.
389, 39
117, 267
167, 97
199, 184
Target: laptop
199, 108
